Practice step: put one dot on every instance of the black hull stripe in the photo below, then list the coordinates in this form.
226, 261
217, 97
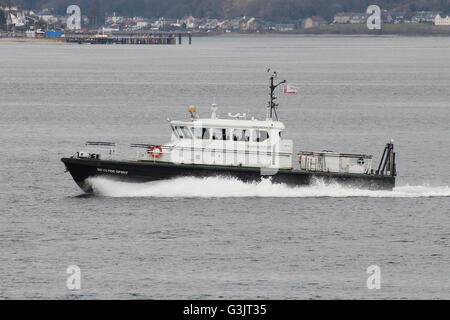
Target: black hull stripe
144, 171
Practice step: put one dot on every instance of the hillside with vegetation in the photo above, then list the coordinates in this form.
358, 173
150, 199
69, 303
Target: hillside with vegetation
271, 10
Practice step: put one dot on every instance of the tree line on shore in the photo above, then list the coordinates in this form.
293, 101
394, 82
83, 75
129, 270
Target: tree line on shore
271, 10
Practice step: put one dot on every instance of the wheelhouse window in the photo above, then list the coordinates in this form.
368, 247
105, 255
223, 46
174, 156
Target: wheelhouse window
205, 134
197, 132
260, 135
241, 135
221, 134
217, 134
200, 133
183, 132
226, 134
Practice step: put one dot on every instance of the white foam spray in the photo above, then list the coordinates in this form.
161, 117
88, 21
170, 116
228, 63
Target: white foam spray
219, 187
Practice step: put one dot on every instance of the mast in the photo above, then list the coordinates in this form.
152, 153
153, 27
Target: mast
271, 109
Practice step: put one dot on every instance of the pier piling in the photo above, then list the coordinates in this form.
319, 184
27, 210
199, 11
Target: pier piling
142, 37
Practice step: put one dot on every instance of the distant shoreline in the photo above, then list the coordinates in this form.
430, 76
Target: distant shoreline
301, 35
360, 32
355, 30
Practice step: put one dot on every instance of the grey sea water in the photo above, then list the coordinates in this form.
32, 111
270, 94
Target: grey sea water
219, 238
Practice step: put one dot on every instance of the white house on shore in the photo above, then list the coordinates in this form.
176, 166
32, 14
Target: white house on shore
441, 20
313, 22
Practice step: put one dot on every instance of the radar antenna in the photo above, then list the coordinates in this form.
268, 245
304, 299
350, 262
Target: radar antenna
272, 108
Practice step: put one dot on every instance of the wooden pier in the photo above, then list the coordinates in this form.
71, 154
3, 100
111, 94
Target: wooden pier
129, 38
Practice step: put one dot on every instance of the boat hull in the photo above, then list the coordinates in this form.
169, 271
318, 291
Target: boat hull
146, 171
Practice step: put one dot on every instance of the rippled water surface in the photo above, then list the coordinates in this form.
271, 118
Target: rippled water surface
221, 238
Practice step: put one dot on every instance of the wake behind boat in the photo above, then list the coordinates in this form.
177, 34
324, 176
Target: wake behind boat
238, 146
